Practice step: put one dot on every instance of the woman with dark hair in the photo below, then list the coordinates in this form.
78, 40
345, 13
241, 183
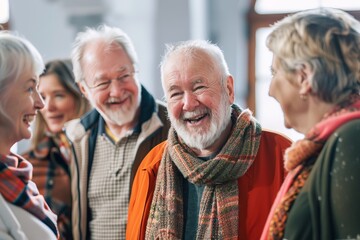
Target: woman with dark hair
24, 214
50, 152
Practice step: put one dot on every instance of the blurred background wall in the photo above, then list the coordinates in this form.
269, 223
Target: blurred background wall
51, 25
239, 27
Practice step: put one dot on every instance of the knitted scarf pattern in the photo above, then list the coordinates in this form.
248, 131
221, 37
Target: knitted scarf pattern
218, 215
16, 188
301, 156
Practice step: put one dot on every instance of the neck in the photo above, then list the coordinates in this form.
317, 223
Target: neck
314, 114
218, 144
120, 131
5, 145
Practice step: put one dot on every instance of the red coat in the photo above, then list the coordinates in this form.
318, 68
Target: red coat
257, 188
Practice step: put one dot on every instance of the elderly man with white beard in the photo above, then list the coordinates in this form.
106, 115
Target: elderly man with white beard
218, 173
109, 142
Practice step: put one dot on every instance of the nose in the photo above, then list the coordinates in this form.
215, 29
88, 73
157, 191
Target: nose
49, 104
39, 102
116, 88
190, 102
270, 92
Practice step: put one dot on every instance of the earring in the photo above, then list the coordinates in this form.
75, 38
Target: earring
303, 97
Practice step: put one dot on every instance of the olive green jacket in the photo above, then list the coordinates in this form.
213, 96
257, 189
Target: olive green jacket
328, 206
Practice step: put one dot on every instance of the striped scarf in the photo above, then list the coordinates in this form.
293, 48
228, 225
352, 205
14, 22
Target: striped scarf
16, 188
299, 160
218, 216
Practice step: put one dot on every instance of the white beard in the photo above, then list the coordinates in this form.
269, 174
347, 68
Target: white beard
122, 117
202, 139
119, 117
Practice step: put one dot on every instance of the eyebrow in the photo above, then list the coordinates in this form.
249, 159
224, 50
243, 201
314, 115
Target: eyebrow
172, 87
193, 83
119, 70
33, 80
56, 91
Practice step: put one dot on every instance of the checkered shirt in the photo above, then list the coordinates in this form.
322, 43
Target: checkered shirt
109, 187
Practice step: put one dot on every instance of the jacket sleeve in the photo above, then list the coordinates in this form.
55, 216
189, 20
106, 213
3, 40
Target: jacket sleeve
16, 223
259, 186
142, 193
340, 176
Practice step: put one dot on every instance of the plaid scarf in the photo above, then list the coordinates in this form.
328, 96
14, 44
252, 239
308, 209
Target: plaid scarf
55, 150
300, 158
60, 141
218, 216
16, 188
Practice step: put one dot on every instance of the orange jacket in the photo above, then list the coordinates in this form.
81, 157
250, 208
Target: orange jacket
257, 188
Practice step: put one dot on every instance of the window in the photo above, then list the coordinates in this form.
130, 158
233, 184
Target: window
4, 13
286, 6
262, 14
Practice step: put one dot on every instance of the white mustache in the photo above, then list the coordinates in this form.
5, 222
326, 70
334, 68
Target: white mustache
196, 113
116, 99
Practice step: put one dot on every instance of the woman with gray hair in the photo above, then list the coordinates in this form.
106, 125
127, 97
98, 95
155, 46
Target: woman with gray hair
24, 213
316, 80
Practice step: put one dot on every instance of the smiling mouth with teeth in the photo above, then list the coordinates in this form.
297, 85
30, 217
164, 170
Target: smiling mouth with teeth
116, 100
194, 120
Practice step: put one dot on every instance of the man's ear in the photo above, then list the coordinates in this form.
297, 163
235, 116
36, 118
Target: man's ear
305, 78
82, 89
230, 88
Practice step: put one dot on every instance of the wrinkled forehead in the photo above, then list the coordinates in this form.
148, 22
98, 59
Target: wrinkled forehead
93, 50
106, 57
185, 69
185, 59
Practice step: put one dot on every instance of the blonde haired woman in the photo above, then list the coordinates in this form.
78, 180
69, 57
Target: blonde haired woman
24, 213
50, 151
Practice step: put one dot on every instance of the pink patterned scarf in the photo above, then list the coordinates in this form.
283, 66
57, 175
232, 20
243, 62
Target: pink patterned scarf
299, 160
